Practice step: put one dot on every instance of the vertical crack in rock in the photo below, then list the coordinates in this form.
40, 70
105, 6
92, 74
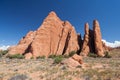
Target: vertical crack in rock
80, 43
58, 46
66, 43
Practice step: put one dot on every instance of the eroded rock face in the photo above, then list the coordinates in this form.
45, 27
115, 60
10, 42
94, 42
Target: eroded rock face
23, 44
53, 37
78, 58
98, 39
57, 37
86, 47
92, 42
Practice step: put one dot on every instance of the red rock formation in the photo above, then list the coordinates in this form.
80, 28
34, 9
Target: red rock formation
23, 44
70, 62
98, 39
77, 58
55, 34
93, 41
86, 47
56, 37
53, 37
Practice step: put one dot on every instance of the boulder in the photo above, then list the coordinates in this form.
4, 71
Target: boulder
70, 62
77, 58
28, 55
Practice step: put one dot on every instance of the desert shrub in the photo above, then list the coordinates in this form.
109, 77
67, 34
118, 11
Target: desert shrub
17, 56
2, 53
58, 59
107, 55
92, 55
41, 57
52, 56
72, 53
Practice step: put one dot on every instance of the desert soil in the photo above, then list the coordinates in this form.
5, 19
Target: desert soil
44, 69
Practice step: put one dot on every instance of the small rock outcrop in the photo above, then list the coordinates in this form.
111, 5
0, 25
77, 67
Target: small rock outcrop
53, 37
74, 61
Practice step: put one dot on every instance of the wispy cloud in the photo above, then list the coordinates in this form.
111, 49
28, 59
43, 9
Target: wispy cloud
4, 47
113, 45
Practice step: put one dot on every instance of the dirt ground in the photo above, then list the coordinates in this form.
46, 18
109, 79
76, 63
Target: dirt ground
44, 69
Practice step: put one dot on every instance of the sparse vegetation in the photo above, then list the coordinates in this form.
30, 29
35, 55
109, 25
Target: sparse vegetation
41, 57
58, 59
17, 56
51, 69
107, 55
72, 53
92, 55
52, 56
2, 53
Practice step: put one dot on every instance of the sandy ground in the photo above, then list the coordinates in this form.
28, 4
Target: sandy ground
44, 69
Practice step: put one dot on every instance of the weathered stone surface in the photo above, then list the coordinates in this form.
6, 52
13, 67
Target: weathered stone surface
72, 42
86, 47
23, 44
53, 37
55, 34
71, 62
98, 38
57, 37
78, 58
92, 42
47, 37
28, 55
63, 44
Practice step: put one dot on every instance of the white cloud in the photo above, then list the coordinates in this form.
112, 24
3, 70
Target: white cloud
113, 45
4, 47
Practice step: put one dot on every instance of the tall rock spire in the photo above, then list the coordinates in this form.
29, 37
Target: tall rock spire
98, 38
85, 48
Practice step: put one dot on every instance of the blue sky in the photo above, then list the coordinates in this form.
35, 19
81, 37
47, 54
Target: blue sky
17, 17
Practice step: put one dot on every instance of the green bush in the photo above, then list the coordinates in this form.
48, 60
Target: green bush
72, 53
52, 56
41, 57
2, 53
58, 59
107, 55
92, 55
17, 56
